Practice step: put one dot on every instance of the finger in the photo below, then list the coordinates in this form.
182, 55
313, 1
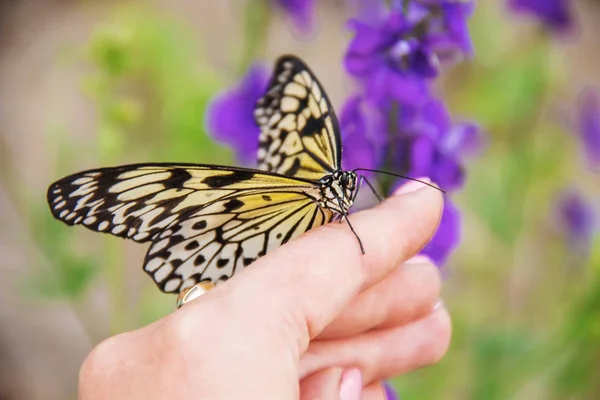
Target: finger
408, 293
383, 354
288, 296
324, 384
292, 280
374, 391
332, 384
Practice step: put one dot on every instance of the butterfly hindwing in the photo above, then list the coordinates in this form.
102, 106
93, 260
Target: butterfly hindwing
223, 216
299, 130
226, 236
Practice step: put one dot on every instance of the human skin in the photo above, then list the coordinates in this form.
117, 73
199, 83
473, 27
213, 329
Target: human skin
314, 319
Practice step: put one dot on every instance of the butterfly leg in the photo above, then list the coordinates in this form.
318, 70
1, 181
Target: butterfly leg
364, 178
345, 217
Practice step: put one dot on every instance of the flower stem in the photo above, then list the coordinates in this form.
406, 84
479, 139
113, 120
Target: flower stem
386, 182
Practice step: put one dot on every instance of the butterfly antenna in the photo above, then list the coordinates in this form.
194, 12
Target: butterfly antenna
362, 248
398, 176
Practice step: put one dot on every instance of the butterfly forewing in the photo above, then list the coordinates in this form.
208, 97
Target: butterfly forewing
299, 130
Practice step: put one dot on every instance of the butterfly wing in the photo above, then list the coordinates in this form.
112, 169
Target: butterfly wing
223, 238
299, 130
225, 216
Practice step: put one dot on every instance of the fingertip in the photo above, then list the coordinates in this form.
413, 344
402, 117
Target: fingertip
420, 259
413, 186
439, 327
375, 391
323, 384
351, 385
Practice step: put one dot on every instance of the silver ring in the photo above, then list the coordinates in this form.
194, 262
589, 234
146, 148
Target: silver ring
193, 292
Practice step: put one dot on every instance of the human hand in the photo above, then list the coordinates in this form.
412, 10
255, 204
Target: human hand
314, 319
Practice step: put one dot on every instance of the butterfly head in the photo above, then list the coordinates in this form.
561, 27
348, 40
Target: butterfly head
339, 190
347, 181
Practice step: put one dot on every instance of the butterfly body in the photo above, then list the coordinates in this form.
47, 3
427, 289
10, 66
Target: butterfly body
338, 191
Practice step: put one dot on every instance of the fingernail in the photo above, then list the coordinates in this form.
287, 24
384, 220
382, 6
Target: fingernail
439, 304
419, 259
351, 385
412, 186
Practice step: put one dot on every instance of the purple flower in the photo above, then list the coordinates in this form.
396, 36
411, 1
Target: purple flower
364, 134
301, 12
389, 392
397, 125
425, 142
397, 52
450, 30
447, 236
575, 218
433, 146
230, 116
556, 15
589, 126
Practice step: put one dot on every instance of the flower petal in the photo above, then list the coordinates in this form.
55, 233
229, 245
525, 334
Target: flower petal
389, 391
230, 116
589, 126
447, 236
300, 11
363, 129
575, 217
556, 15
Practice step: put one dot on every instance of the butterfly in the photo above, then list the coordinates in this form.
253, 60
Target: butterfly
206, 222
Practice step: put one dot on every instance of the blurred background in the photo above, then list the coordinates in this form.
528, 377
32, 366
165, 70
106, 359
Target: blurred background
98, 83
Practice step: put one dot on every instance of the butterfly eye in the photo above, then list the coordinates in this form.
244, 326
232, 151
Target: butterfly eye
344, 180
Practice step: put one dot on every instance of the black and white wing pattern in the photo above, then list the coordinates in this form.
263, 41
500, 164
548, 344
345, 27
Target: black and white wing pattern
299, 130
205, 222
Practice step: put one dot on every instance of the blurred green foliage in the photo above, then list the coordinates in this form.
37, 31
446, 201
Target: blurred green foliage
525, 308
150, 87
526, 312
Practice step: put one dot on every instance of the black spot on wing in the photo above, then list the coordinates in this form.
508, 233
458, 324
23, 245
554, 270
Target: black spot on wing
313, 126
179, 176
199, 225
218, 181
165, 254
192, 245
199, 260
174, 240
233, 204
222, 262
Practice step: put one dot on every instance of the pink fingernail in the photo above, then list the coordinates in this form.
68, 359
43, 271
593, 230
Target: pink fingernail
351, 385
419, 259
439, 304
412, 186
